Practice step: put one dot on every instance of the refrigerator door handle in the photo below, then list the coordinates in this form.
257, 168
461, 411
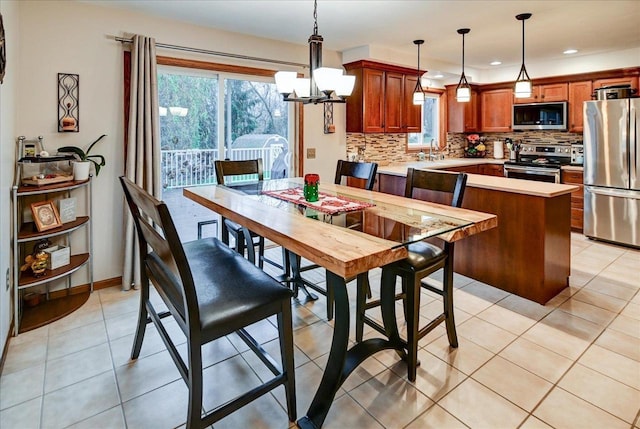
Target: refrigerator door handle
618, 193
634, 150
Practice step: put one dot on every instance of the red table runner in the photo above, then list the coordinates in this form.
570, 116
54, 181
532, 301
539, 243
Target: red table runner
326, 203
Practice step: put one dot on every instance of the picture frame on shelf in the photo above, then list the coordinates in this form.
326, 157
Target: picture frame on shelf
45, 215
67, 209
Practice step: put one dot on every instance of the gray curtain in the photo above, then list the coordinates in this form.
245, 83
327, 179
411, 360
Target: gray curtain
143, 150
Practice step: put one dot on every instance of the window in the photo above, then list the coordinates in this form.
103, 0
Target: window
205, 116
430, 124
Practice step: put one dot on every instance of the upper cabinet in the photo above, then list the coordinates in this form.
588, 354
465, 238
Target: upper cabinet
544, 93
496, 110
382, 99
463, 117
579, 92
625, 80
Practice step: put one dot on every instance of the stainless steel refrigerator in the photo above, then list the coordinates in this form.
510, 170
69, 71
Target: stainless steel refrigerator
611, 170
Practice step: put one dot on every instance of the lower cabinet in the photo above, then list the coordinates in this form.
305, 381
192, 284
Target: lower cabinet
574, 177
491, 170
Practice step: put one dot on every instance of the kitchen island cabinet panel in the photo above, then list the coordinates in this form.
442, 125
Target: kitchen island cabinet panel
528, 254
575, 177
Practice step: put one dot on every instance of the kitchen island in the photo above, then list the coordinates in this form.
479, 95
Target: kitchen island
529, 254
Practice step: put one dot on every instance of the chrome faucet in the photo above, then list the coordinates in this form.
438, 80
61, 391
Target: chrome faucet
432, 156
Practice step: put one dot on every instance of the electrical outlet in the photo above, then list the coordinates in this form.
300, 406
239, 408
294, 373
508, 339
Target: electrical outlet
311, 153
7, 287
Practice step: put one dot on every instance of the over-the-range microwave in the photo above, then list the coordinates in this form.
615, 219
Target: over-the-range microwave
540, 116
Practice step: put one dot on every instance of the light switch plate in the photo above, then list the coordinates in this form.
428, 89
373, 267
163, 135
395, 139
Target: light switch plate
311, 153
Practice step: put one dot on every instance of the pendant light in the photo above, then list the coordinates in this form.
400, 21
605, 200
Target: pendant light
522, 87
463, 90
322, 83
418, 93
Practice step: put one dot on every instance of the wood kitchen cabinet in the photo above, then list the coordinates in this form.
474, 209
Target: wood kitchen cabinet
575, 177
544, 93
496, 110
463, 117
624, 80
382, 99
579, 92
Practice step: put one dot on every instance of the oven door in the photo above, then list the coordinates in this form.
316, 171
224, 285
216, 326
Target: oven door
539, 174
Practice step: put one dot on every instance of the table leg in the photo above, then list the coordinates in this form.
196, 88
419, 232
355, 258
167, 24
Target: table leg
343, 361
296, 279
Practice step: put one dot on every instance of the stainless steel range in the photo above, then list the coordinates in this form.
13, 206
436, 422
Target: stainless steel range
540, 162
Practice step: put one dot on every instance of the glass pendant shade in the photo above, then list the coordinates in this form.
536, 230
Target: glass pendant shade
302, 87
418, 98
326, 78
523, 87
463, 94
345, 85
285, 81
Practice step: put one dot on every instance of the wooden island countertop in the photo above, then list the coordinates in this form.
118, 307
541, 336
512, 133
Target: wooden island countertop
529, 253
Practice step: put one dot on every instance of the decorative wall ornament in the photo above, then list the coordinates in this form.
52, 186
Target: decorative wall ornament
68, 103
3, 51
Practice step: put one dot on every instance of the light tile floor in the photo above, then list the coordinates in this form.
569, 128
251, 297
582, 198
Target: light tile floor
573, 363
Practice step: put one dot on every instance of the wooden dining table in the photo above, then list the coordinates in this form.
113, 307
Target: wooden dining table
346, 242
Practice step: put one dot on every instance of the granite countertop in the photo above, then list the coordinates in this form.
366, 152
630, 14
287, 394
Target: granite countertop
528, 187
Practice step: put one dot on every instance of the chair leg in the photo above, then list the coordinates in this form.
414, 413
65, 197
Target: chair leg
142, 319
412, 309
447, 298
194, 410
286, 351
261, 253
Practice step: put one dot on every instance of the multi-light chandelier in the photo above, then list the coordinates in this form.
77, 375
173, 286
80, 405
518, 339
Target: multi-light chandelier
324, 84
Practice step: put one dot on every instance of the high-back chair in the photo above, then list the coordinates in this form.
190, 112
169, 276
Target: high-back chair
224, 170
211, 291
424, 259
366, 173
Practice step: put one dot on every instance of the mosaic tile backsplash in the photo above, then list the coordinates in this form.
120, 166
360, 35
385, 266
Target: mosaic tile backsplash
391, 148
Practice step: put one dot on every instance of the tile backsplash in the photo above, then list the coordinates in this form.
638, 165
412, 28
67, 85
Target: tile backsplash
391, 148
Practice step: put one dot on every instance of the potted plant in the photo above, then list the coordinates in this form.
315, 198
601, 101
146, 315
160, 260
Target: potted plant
83, 163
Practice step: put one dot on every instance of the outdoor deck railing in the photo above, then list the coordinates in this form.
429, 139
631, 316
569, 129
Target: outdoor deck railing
192, 167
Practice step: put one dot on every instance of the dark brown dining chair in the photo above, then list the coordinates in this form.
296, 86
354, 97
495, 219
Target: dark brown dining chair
424, 259
252, 169
364, 174
210, 291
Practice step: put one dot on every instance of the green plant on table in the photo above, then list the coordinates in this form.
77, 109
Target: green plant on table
97, 160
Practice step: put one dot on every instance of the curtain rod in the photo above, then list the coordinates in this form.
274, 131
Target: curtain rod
217, 53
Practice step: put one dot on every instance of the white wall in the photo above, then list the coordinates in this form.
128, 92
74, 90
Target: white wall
72, 37
8, 95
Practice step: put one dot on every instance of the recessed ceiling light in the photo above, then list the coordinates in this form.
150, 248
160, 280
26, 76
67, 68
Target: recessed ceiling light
495, 63
570, 51
438, 76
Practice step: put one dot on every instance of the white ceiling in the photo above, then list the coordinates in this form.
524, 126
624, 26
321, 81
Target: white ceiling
591, 26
